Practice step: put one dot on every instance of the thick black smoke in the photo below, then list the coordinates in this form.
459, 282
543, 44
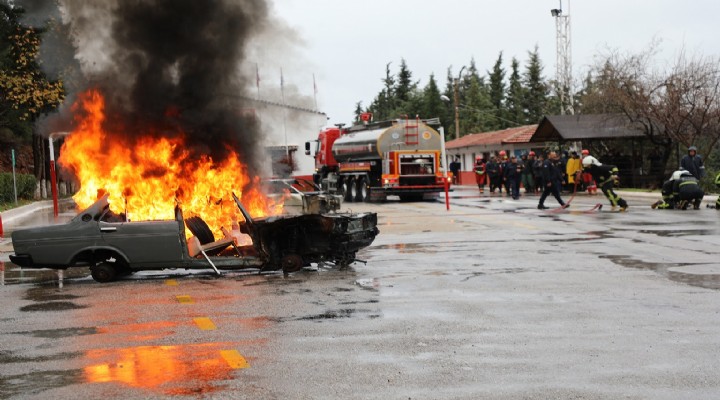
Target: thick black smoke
168, 66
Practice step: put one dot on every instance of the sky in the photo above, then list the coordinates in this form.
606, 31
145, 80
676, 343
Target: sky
347, 44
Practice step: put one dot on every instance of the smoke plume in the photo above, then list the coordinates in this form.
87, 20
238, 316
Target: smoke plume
170, 66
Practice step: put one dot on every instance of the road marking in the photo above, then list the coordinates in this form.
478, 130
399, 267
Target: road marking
171, 282
234, 359
184, 299
204, 323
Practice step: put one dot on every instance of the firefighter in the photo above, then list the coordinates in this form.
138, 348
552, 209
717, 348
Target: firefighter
606, 177
480, 173
552, 179
504, 166
587, 178
687, 189
668, 201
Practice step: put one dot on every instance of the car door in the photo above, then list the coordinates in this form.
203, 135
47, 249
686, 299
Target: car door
144, 242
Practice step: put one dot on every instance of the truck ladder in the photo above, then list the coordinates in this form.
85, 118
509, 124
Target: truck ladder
412, 131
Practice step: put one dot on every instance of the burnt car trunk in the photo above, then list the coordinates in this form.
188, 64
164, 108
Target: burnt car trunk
291, 242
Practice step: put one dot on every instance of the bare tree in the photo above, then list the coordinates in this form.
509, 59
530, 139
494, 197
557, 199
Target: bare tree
678, 104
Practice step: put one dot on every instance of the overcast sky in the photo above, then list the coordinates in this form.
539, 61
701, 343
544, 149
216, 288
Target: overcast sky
347, 44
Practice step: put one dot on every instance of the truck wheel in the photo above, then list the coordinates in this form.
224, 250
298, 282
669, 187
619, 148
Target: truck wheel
348, 189
103, 272
361, 191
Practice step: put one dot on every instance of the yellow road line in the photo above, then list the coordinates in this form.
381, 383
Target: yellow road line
204, 323
184, 299
234, 359
171, 282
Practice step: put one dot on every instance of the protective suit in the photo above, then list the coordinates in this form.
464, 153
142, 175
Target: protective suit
688, 190
606, 176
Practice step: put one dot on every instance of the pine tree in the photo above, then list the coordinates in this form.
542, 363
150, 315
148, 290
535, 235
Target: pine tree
536, 90
515, 95
432, 106
497, 92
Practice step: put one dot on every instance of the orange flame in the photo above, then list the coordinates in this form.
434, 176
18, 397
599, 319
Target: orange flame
147, 177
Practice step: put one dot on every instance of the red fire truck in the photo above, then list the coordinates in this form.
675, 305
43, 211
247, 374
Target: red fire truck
368, 162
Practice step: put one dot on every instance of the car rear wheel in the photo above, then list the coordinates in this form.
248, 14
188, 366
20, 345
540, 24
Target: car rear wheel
103, 272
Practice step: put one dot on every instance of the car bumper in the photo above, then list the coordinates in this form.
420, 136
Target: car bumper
22, 260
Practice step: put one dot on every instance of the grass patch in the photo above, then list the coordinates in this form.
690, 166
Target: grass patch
8, 206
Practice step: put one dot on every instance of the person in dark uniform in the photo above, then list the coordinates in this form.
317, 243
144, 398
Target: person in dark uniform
693, 163
512, 172
668, 201
538, 173
552, 179
528, 160
455, 169
606, 177
688, 190
492, 169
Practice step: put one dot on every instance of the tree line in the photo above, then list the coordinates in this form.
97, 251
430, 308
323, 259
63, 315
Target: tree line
490, 101
675, 104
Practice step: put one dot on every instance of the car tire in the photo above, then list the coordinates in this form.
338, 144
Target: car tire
104, 272
292, 263
200, 229
348, 185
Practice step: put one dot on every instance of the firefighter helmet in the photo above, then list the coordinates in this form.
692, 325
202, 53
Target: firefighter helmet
677, 174
478, 158
585, 152
590, 160
692, 148
502, 153
531, 154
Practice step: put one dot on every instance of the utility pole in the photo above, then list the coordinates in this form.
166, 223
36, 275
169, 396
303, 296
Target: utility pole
563, 64
457, 103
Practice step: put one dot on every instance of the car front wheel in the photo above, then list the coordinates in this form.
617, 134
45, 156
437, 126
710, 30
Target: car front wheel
103, 272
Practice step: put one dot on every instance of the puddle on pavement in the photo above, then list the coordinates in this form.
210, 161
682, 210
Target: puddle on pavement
60, 333
171, 370
7, 357
36, 382
678, 233
333, 314
47, 293
707, 281
52, 306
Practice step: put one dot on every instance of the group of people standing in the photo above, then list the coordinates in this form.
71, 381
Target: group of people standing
549, 175
546, 175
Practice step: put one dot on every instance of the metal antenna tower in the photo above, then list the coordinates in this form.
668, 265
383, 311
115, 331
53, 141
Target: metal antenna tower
563, 64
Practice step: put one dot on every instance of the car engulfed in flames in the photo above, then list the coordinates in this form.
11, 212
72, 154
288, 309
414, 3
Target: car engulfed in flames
112, 246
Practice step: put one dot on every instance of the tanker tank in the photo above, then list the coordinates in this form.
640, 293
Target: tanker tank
371, 144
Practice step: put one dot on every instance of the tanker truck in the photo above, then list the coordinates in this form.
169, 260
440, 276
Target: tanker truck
371, 161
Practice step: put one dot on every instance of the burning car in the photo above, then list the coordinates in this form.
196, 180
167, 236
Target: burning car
300, 196
111, 245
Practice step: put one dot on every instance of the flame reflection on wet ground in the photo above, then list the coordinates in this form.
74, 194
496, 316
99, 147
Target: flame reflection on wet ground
177, 369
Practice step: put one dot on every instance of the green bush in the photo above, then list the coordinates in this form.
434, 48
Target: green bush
25, 187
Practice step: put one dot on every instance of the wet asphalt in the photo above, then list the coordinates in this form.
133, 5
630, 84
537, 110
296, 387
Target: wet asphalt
493, 299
